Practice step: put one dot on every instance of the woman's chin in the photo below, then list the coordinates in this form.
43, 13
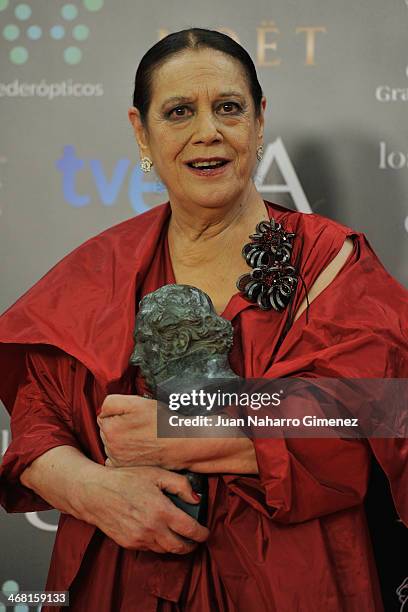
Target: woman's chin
212, 204
210, 198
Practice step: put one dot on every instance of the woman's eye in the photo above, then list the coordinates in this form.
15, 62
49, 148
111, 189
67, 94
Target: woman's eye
230, 107
179, 111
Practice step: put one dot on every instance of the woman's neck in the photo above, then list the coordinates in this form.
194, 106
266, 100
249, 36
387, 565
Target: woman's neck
198, 226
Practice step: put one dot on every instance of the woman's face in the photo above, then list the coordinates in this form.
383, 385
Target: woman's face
201, 111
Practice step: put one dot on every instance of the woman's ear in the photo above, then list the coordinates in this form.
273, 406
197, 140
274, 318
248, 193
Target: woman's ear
140, 131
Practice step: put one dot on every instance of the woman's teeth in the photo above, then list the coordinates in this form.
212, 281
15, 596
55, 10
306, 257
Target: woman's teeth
208, 164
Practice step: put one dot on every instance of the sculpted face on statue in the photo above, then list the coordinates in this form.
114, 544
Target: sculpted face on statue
177, 328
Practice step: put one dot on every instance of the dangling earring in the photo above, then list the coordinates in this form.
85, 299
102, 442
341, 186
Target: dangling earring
259, 153
146, 164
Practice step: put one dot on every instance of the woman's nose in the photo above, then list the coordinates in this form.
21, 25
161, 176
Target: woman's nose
206, 128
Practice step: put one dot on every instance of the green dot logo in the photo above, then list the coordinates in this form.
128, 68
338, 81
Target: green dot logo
18, 55
34, 32
11, 32
93, 5
22, 12
69, 12
80, 32
72, 55
57, 32
24, 30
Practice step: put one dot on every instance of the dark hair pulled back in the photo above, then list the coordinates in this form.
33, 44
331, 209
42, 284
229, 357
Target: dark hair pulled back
192, 38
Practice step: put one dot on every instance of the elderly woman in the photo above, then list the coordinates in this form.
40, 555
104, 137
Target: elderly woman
286, 528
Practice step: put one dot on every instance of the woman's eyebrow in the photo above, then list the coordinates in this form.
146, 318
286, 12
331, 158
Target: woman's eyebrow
175, 100
185, 99
227, 94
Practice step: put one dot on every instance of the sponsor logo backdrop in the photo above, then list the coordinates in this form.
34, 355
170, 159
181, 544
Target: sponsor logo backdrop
336, 83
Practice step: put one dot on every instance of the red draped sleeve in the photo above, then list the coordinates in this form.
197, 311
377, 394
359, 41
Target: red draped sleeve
43, 417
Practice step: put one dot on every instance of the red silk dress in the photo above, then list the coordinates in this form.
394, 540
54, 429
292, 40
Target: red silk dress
293, 538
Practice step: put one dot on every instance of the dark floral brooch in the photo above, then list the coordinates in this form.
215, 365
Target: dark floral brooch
273, 279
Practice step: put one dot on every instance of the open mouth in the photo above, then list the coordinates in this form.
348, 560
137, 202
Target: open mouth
208, 166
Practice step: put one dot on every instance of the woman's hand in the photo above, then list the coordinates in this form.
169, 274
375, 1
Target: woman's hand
128, 428
129, 506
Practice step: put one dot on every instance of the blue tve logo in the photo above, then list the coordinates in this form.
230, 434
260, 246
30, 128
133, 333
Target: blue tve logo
108, 188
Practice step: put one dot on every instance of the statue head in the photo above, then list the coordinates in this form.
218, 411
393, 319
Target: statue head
174, 323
